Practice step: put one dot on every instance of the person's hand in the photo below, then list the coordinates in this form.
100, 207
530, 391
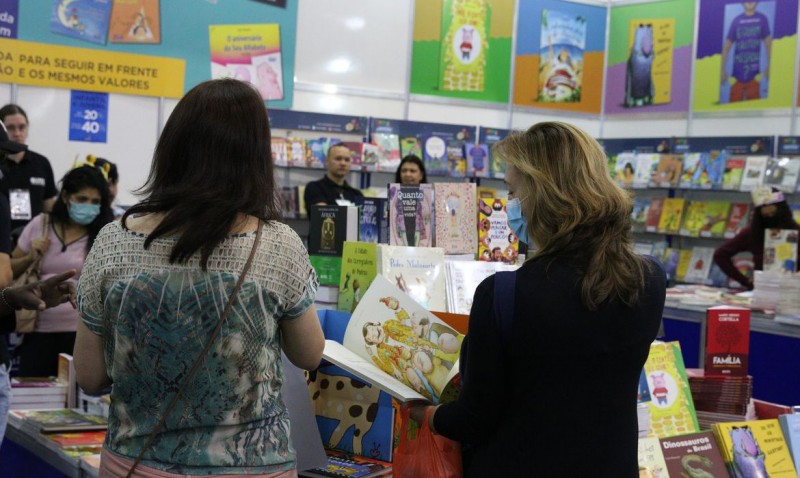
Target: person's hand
44, 293
39, 246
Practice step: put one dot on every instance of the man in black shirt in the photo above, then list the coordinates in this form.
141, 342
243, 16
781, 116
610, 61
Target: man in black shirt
27, 177
332, 189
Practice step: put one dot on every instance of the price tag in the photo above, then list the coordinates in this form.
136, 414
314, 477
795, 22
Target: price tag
88, 116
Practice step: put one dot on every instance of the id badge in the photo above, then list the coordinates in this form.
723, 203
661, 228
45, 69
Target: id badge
20, 202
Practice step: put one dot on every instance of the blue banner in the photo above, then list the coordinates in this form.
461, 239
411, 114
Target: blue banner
88, 117
9, 12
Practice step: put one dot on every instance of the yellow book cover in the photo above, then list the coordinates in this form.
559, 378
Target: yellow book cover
684, 260
671, 406
693, 219
465, 24
671, 215
716, 217
359, 268
496, 241
754, 448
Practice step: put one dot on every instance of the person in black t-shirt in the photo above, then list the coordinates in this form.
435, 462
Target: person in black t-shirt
27, 177
333, 189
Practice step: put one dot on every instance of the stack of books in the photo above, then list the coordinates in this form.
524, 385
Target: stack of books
720, 398
37, 392
344, 464
77, 444
788, 310
55, 421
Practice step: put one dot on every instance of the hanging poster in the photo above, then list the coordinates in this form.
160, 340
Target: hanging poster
9, 13
559, 55
82, 19
135, 21
251, 53
649, 58
470, 41
741, 46
88, 116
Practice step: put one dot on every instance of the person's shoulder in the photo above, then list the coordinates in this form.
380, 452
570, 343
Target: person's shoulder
33, 156
276, 232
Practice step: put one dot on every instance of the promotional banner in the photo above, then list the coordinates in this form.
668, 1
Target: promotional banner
649, 58
88, 116
741, 46
470, 41
251, 53
9, 11
559, 57
38, 64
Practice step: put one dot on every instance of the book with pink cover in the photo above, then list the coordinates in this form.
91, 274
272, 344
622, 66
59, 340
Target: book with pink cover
456, 217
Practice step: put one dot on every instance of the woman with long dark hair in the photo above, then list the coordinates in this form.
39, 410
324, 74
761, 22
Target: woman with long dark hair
79, 212
188, 301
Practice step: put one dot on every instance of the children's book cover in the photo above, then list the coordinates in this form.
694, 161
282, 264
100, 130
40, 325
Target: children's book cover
411, 215
641, 206
693, 455
780, 250
477, 161
691, 163
668, 171
329, 228
456, 206
456, 159
403, 341
316, 152
790, 425
654, 214
646, 166
671, 408
732, 176
370, 155
684, 260
496, 241
135, 21
359, 268
693, 219
296, 151
727, 341
754, 448
754, 170
280, 153
82, 19
625, 169
388, 151
738, 219
409, 145
465, 26
417, 271
651, 459
434, 150
561, 47
463, 278
699, 265
250, 53
352, 415
782, 173
709, 171
648, 76
715, 219
671, 215
342, 464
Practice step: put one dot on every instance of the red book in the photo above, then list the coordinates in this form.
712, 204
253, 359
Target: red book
727, 340
738, 219
654, 214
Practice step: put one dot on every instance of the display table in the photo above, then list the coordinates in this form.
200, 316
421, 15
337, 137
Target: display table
774, 350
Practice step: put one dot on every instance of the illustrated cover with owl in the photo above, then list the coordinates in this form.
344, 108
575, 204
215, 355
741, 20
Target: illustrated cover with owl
456, 217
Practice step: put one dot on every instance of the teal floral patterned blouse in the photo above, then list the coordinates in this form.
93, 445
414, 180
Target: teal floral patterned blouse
156, 317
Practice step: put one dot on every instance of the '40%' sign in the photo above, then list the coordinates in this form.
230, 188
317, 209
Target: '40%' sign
88, 117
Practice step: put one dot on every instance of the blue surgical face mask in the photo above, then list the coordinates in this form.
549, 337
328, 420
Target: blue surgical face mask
516, 221
83, 213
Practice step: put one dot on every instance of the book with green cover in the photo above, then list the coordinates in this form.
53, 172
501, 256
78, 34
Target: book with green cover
671, 407
359, 268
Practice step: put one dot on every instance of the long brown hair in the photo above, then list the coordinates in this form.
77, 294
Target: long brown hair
574, 209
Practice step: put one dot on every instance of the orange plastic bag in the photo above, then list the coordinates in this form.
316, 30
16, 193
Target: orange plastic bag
428, 455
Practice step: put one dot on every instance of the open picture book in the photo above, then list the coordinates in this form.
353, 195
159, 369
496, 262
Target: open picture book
397, 345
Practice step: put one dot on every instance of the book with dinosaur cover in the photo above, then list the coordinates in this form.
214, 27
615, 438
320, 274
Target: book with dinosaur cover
397, 345
411, 215
693, 455
359, 268
456, 218
727, 340
671, 408
417, 271
754, 448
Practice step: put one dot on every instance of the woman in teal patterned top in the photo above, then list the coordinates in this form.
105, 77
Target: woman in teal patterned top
154, 286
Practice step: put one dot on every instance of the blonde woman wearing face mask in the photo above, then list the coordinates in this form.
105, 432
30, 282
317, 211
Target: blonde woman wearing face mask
562, 347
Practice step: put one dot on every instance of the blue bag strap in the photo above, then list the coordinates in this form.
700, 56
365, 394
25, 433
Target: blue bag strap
503, 306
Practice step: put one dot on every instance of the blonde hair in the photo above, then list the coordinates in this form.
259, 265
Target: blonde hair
575, 210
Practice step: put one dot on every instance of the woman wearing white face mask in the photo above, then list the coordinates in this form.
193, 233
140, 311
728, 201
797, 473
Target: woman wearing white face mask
561, 345
80, 211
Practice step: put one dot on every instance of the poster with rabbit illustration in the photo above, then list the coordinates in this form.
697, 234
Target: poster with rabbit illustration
251, 53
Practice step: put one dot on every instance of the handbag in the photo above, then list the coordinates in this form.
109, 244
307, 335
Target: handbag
154, 434
26, 319
428, 454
